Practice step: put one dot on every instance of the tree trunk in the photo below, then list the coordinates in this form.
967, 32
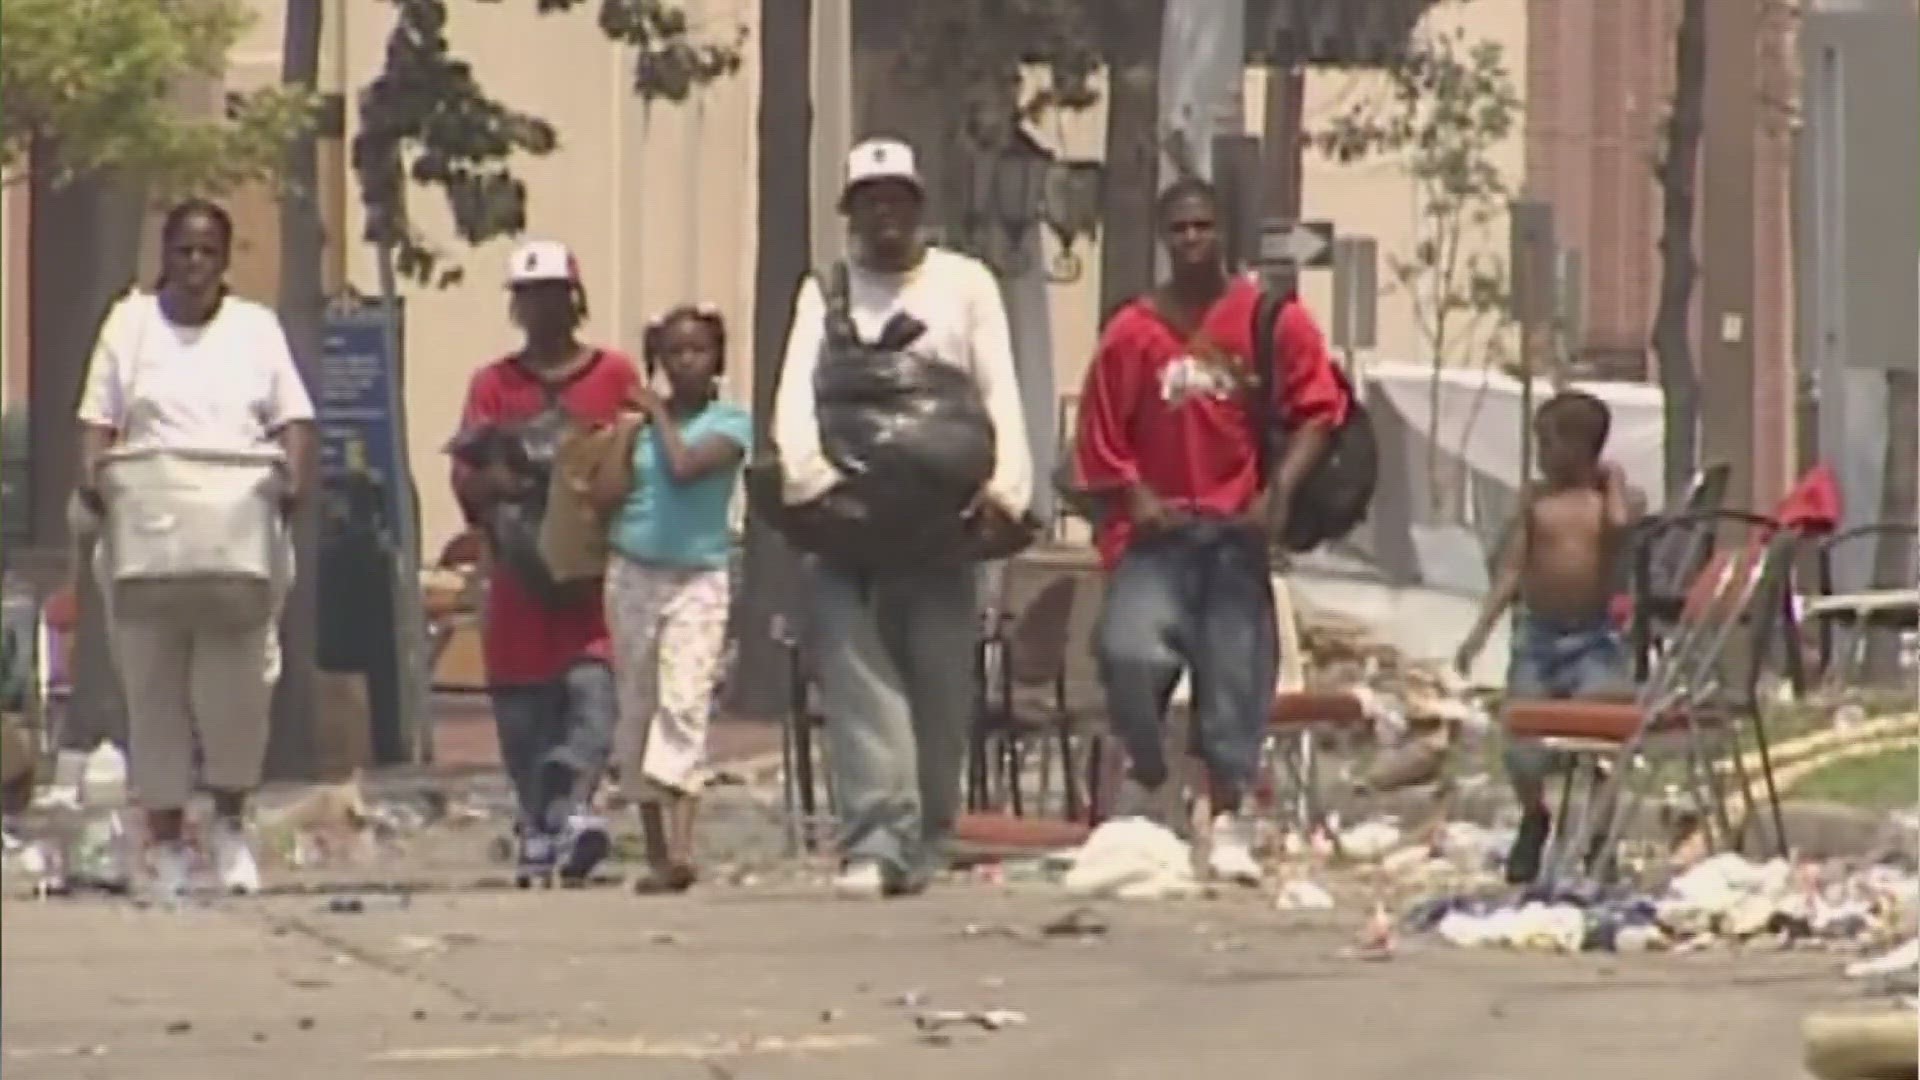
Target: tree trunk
1679, 173
302, 306
1133, 117
84, 249
785, 133
1894, 556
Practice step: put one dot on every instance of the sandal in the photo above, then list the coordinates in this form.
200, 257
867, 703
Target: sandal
669, 878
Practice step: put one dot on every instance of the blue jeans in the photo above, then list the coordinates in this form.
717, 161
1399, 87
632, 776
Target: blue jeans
1197, 598
1557, 661
555, 738
896, 660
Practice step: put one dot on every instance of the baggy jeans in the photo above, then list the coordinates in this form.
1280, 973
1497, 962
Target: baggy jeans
1198, 597
896, 658
555, 738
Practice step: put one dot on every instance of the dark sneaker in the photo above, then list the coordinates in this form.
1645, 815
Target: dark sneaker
582, 847
1523, 861
535, 861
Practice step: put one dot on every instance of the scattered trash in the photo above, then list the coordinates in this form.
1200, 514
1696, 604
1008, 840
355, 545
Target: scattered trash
359, 905
1370, 840
179, 1027
1721, 899
910, 999
1375, 940
987, 1019
1300, 894
1132, 859
1080, 922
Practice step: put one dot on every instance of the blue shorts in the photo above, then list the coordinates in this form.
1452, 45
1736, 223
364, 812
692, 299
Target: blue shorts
1557, 661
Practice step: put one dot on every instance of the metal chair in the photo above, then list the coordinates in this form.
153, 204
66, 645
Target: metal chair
1024, 700
1669, 551
1698, 696
1884, 607
804, 786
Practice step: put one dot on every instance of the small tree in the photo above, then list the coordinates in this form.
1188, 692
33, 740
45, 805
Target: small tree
1678, 172
84, 86
1448, 106
426, 119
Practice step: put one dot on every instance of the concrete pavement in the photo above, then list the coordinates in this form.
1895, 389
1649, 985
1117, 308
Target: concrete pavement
782, 982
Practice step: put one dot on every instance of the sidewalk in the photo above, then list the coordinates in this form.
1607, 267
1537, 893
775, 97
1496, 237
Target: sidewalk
785, 984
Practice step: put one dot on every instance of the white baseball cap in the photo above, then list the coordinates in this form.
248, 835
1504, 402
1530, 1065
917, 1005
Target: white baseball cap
542, 260
880, 159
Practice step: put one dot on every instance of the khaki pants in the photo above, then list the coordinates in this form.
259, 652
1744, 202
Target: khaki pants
186, 686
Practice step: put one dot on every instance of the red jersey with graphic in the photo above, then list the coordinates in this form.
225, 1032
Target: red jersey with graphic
1168, 409
527, 642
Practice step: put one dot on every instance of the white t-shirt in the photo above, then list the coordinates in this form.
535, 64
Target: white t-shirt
227, 385
958, 300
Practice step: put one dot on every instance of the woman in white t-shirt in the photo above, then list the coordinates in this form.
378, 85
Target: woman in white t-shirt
192, 367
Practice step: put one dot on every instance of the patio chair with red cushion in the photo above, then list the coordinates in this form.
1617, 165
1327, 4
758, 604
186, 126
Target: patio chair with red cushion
1701, 697
1025, 703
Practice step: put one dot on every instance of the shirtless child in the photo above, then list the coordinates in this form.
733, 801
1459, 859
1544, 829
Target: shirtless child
1558, 560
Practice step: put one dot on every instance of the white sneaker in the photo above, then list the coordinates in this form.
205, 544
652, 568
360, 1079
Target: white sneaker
169, 869
861, 879
233, 861
1230, 850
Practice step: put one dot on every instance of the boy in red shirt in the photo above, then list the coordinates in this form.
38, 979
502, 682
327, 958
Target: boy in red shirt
548, 677
1167, 435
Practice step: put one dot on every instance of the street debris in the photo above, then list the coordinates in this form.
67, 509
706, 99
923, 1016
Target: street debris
938, 1020
1079, 922
1723, 899
1302, 894
1132, 859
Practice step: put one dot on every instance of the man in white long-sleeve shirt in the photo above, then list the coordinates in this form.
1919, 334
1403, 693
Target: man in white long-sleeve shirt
894, 647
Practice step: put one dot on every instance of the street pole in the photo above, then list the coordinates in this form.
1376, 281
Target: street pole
1203, 51
1727, 375
785, 127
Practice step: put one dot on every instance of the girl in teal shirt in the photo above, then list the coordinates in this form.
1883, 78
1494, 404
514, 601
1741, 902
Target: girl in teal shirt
667, 584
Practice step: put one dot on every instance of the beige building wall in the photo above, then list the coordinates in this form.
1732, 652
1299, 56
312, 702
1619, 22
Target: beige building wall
659, 201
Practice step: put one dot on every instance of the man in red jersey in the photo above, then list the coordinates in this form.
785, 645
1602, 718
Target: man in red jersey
1167, 437
546, 655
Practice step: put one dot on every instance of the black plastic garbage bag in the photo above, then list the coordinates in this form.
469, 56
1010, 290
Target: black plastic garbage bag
912, 436
512, 526
913, 440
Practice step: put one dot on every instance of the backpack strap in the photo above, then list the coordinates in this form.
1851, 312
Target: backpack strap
836, 294
1266, 418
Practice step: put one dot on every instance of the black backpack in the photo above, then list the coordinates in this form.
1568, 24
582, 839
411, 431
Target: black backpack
1332, 498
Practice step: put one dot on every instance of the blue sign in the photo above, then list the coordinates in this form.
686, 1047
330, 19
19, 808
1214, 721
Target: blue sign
356, 398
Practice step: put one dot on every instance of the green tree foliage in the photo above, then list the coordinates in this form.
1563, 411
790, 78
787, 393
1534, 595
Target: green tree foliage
84, 84
427, 120
1449, 105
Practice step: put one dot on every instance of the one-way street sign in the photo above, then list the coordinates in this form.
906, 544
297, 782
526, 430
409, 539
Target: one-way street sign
1295, 244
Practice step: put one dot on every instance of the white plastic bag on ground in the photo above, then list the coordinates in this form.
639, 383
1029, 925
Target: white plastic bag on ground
1301, 894
1370, 840
1132, 859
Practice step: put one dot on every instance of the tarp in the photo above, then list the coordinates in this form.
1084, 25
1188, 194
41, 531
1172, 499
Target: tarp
1478, 426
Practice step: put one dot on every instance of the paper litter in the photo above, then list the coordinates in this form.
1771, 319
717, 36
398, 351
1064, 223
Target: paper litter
1132, 859
1722, 899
